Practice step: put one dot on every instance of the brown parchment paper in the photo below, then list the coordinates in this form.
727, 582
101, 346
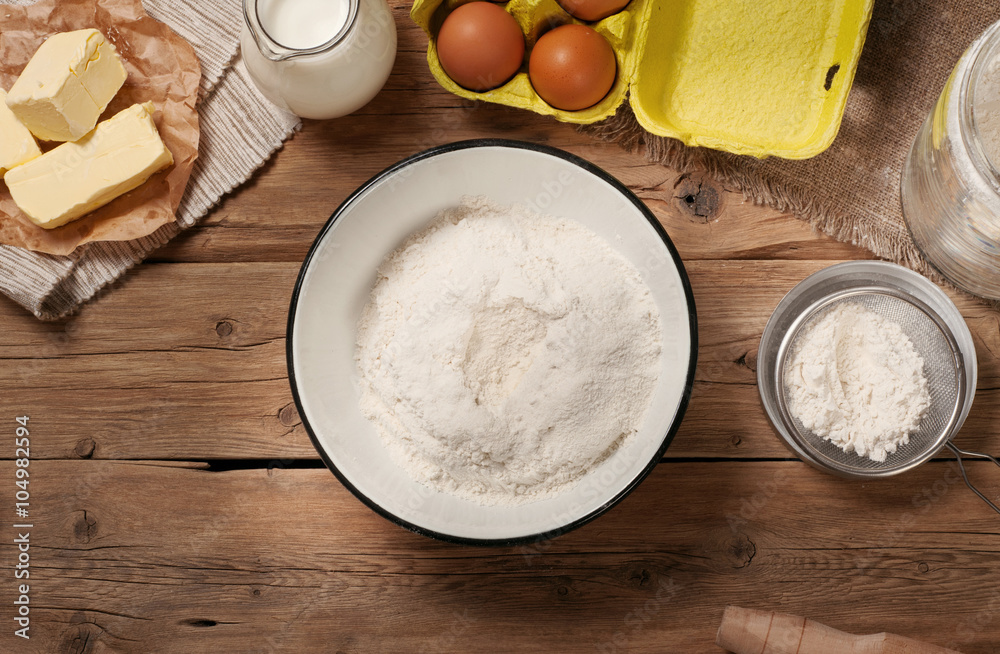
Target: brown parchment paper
162, 68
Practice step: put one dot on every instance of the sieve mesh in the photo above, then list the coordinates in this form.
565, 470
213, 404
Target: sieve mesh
943, 370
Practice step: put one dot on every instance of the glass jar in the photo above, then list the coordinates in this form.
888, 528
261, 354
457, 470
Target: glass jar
318, 58
950, 187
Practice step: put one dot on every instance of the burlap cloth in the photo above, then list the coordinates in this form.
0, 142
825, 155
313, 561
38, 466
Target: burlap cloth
850, 191
240, 130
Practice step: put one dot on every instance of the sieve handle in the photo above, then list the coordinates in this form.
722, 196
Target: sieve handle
959, 452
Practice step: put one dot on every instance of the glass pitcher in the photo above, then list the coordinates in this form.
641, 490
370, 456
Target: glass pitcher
318, 58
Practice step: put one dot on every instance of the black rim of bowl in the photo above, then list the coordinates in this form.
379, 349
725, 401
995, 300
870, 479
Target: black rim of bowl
600, 174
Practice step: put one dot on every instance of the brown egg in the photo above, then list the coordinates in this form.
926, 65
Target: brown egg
572, 67
591, 10
480, 46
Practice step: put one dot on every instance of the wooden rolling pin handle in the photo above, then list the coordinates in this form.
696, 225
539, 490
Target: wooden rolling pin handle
746, 631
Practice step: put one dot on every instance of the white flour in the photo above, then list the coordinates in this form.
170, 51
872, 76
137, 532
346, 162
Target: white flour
856, 380
503, 354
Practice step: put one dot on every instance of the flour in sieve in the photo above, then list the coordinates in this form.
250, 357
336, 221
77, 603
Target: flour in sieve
503, 354
855, 379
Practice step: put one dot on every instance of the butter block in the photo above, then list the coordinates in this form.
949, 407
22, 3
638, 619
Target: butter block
17, 145
76, 178
66, 85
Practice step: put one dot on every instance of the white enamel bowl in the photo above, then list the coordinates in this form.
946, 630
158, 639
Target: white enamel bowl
338, 274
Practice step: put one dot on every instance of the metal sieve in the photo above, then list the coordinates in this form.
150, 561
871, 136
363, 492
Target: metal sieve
928, 318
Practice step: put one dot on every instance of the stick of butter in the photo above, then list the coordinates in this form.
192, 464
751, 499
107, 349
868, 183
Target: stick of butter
76, 178
17, 145
66, 85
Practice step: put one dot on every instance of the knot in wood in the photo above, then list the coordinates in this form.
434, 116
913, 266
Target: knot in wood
748, 360
741, 551
288, 415
84, 527
697, 196
224, 328
641, 576
81, 638
85, 448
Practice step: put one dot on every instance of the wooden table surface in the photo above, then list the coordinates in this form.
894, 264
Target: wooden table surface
178, 505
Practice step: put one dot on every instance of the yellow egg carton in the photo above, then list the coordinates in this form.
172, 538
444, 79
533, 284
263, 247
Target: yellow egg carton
757, 77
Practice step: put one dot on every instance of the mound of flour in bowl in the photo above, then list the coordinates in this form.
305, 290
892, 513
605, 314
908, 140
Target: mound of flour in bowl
856, 379
503, 354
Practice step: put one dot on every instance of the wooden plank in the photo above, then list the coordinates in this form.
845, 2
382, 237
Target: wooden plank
268, 221
208, 380
133, 557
